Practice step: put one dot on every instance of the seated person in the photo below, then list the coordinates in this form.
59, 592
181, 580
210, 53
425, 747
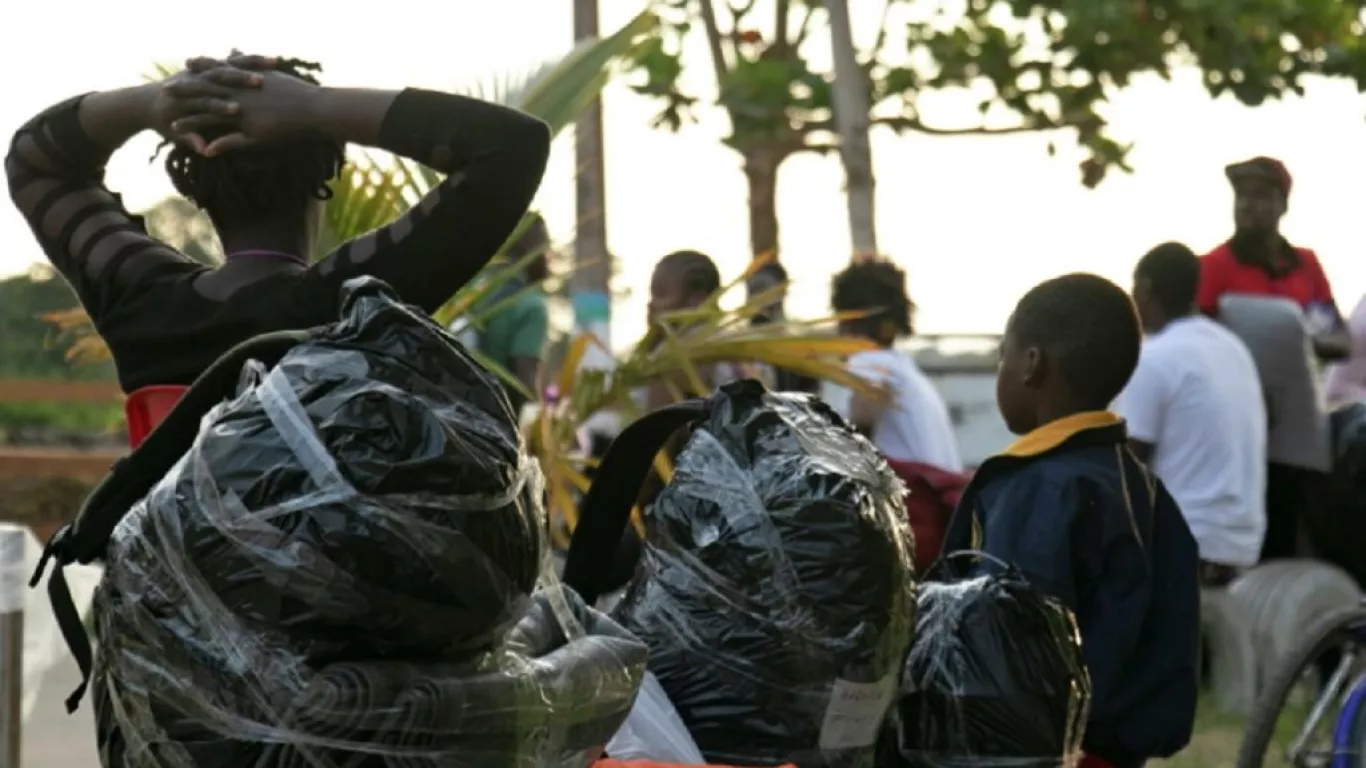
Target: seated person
1084, 520
1195, 414
681, 281
255, 143
913, 425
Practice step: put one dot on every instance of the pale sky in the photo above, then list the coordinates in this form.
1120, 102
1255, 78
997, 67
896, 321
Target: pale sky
975, 221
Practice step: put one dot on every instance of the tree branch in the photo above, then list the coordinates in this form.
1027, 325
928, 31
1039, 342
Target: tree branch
882, 28
719, 62
906, 123
805, 28
739, 12
780, 42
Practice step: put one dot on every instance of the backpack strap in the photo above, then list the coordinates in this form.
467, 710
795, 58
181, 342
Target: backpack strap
132, 477
606, 508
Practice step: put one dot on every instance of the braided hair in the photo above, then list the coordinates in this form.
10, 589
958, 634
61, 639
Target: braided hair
878, 290
259, 181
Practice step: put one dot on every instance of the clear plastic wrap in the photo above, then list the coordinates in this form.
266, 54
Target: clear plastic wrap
340, 572
994, 679
776, 590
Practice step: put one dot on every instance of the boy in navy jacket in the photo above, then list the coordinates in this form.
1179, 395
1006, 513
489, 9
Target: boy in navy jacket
1086, 522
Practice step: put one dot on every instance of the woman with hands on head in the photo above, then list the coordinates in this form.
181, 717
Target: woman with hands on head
254, 142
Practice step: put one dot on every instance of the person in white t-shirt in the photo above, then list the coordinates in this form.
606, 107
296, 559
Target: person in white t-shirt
1196, 414
913, 423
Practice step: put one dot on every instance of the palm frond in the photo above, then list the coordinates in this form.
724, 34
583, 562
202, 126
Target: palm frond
560, 94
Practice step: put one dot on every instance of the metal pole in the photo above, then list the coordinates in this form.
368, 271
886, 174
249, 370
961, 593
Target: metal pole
12, 592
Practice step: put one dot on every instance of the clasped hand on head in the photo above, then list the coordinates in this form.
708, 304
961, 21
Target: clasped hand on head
240, 101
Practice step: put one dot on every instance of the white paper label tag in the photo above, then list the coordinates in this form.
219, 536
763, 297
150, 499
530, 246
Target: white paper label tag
855, 713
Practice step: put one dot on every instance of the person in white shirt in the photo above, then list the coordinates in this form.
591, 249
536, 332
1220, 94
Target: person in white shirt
913, 423
1196, 414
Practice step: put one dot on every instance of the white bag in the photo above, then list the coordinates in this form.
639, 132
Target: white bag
654, 730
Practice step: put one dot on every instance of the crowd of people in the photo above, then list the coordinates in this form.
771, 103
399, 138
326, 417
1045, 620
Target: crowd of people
1146, 464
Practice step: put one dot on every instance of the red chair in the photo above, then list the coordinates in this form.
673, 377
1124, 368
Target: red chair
146, 407
931, 496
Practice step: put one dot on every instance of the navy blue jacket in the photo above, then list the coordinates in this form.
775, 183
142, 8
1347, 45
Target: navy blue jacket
1086, 522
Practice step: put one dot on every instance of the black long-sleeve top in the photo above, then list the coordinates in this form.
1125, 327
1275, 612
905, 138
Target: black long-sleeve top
145, 298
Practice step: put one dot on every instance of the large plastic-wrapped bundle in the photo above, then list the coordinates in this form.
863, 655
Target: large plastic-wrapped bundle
994, 679
776, 590
330, 574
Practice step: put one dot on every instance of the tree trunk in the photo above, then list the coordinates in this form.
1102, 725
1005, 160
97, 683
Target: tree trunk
761, 171
589, 282
851, 118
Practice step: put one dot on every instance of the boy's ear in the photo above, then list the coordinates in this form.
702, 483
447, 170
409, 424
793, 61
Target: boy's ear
1035, 368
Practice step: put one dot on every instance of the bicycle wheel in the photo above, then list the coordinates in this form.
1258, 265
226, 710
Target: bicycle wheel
1337, 630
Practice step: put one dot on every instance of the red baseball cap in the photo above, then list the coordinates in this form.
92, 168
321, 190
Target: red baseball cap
1266, 168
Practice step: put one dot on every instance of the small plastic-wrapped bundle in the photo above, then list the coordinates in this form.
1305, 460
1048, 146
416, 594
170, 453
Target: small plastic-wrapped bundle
330, 573
776, 590
994, 679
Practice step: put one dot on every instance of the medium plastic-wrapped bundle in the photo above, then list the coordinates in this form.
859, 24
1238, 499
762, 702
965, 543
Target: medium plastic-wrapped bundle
367, 501
776, 590
994, 679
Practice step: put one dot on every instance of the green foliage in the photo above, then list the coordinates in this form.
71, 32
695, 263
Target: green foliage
1040, 65
29, 348
63, 418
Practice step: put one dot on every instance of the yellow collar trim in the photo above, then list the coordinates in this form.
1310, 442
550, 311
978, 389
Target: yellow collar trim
1055, 433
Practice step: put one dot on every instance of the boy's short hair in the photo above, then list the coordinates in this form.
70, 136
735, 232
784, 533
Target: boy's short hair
1088, 327
1173, 273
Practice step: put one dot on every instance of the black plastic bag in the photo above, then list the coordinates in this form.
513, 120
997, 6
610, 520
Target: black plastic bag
776, 591
1335, 514
369, 499
994, 679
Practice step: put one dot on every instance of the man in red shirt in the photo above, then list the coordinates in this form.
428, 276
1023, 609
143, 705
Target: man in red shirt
1259, 261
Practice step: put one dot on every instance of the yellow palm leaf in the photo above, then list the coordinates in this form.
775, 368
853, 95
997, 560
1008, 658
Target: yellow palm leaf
572, 360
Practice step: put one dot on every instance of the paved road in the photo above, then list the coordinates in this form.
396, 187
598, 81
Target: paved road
52, 738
